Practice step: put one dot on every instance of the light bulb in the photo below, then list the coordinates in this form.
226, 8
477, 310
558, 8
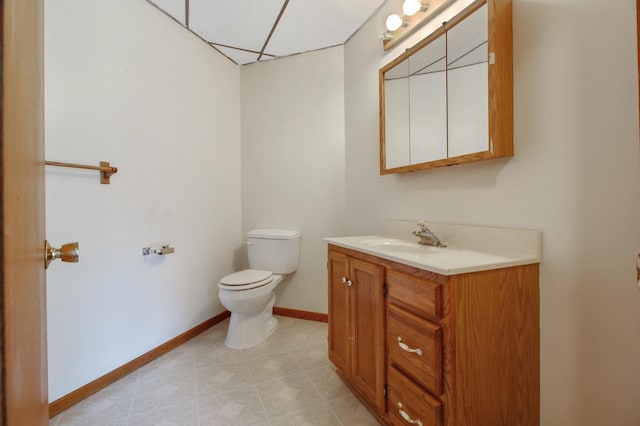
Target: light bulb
411, 7
394, 22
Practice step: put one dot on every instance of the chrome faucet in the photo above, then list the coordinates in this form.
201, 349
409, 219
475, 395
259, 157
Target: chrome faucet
427, 237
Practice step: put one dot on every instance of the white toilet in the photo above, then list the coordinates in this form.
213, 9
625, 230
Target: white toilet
249, 295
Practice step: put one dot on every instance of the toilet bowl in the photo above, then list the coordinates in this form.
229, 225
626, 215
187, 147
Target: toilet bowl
248, 294
251, 307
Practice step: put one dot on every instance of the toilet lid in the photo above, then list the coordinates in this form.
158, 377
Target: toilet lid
247, 279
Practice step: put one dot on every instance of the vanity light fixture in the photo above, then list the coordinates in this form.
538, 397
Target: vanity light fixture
411, 7
394, 22
399, 27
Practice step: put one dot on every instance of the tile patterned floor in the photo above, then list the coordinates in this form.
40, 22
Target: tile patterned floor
285, 381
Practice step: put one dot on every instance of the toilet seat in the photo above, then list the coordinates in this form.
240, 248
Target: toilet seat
245, 280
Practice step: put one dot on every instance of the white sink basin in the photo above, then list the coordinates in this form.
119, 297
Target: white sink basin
399, 246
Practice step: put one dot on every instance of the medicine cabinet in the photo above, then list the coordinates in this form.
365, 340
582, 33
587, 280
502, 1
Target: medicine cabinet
449, 99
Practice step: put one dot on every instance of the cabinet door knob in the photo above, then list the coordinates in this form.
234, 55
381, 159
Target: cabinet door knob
408, 418
344, 280
406, 348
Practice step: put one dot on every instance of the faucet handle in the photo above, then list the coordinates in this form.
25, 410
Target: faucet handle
423, 225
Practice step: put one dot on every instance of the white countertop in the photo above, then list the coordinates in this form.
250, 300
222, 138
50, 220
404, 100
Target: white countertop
470, 248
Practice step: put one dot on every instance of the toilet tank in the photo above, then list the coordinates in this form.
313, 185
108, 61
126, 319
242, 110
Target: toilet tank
275, 250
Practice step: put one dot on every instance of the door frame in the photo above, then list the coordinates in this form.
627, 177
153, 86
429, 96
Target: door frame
23, 357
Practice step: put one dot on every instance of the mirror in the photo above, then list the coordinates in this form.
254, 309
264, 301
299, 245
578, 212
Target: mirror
435, 98
397, 115
467, 85
428, 102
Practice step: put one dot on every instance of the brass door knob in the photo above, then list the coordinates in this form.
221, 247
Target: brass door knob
69, 252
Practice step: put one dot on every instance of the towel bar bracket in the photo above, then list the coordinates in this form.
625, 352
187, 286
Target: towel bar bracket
105, 172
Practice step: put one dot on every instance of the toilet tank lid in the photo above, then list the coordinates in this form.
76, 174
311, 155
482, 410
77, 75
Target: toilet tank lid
274, 234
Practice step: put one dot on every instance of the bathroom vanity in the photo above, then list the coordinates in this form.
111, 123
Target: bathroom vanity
438, 336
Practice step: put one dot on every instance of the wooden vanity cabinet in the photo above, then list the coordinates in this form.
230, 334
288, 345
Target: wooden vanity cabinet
356, 325
459, 350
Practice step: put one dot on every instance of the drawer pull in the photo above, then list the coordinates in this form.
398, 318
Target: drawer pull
406, 348
408, 418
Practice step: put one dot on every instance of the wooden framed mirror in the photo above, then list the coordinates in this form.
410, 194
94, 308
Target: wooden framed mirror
449, 99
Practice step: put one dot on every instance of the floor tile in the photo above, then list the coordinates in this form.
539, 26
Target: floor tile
286, 380
108, 406
319, 415
328, 383
215, 352
312, 356
239, 407
223, 377
177, 415
273, 366
170, 364
351, 412
287, 394
156, 393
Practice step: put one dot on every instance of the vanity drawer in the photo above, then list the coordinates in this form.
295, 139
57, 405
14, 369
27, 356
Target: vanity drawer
419, 296
409, 404
415, 347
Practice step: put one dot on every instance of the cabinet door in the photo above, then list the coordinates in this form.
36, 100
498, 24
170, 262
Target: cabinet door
339, 312
368, 322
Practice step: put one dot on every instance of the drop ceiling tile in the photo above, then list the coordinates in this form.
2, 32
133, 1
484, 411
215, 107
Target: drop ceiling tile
239, 56
238, 23
174, 8
313, 24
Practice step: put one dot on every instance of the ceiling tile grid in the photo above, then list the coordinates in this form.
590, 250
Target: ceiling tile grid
238, 56
173, 8
244, 24
239, 29
315, 24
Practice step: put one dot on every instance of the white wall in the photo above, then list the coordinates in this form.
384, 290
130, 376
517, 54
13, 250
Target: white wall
575, 176
126, 84
293, 161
